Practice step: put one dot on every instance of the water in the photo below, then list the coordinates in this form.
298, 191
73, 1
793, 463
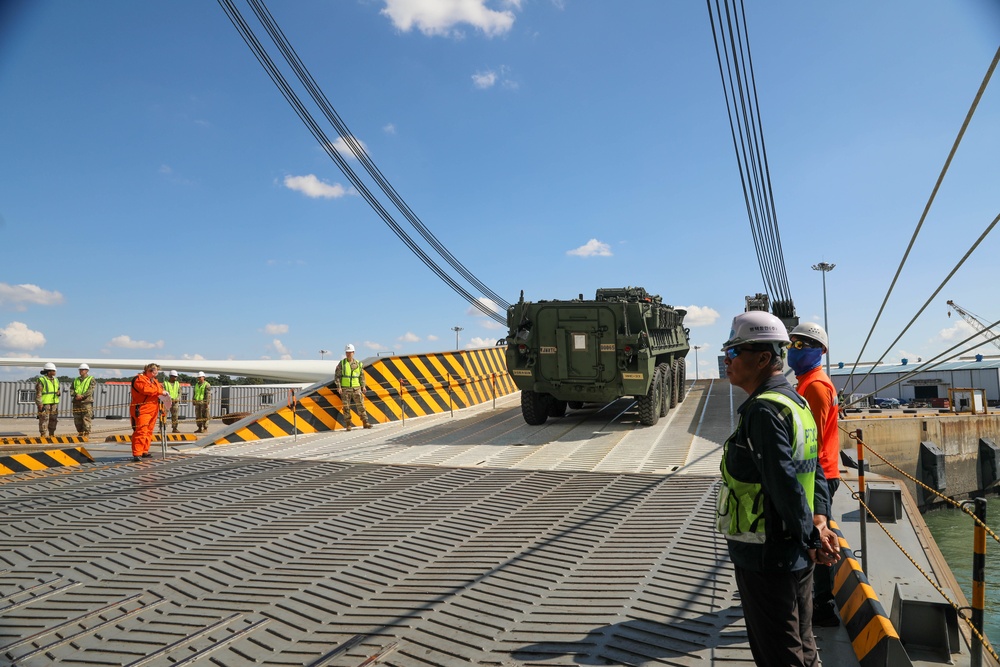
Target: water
952, 530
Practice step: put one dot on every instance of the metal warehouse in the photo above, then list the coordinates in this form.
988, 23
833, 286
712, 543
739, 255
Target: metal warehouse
920, 382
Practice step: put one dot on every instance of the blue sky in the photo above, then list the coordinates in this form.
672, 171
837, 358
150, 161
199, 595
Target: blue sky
160, 199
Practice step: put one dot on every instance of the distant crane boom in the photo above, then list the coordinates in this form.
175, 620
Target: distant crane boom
973, 321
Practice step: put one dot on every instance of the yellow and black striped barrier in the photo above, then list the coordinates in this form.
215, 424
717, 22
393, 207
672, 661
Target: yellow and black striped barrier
873, 637
396, 388
54, 458
44, 440
171, 437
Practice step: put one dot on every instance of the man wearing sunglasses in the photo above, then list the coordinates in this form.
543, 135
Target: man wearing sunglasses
772, 489
805, 357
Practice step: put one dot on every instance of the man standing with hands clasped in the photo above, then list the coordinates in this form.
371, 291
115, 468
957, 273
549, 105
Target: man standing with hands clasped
773, 504
805, 357
83, 401
351, 387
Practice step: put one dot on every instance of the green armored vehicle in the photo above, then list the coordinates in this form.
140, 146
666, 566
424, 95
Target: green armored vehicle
625, 342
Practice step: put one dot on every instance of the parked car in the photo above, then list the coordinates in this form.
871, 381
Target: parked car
886, 403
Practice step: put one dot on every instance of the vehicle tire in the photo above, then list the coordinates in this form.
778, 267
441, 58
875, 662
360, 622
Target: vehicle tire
681, 380
557, 408
666, 389
574, 405
534, 407
649, 405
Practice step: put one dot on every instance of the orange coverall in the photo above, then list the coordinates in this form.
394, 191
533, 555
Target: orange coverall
145, 407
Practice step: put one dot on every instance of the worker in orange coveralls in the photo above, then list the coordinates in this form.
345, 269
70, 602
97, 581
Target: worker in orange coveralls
146, 392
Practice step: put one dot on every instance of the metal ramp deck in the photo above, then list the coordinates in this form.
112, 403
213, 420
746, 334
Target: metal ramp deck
469, 541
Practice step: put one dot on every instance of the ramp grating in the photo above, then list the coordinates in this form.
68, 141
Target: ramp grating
218, 560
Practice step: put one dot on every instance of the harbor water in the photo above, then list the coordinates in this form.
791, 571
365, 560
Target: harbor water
952, 530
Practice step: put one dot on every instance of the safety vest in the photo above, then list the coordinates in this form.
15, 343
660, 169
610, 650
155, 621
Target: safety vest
81, 385
50, 390
350, 377
200, 388
741, 504
173, 389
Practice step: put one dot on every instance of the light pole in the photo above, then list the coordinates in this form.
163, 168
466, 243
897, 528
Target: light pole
322, 352
696, 348
825, 268
456, 330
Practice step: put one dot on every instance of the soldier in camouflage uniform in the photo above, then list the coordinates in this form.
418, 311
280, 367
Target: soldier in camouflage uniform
83, 401
47, 400
351, 387
173, 387
201, 397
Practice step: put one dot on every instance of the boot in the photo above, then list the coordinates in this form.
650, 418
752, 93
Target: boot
347, 428
367, 425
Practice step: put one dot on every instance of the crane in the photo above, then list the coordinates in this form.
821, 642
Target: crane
973, 321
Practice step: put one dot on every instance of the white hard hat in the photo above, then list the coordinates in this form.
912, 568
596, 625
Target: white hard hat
349, 348
757, 326
49, 366
84, 367
173, 373
813, 331
201, 374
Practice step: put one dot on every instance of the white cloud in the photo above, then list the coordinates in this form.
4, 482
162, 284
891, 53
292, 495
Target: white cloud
17, 336
440, 17
700, 316
281, 349
477, 341
20, 295
961, 330
129, 344
592, 248
373, 346
273, 329
484, 80
432, 337
389, 128
314, 188
409, 337
488, 303
192, 357
345, 151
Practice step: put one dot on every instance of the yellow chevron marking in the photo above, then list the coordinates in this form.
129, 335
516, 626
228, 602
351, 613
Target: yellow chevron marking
28, 462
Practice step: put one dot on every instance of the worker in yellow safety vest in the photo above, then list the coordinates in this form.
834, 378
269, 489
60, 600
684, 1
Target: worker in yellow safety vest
83, 401
350, 384
47, 400
173, 387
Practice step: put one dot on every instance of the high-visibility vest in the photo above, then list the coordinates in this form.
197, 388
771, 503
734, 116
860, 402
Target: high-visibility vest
200, 388
50, 390
173, 388
350, 377
740, 503
81, 385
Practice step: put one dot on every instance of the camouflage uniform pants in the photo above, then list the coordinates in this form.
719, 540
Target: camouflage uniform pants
83, 415
48, 415
353, 397
175, 411
201, 414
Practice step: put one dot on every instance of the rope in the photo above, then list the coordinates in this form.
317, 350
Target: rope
959, 610
853, 436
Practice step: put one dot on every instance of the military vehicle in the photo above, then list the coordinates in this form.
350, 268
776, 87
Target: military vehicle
626, 342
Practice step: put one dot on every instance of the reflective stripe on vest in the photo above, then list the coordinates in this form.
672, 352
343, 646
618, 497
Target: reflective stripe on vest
199, 390
81, 385
350, 377
50, 390
740, 510
173, 389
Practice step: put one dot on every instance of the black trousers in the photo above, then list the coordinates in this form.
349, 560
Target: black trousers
777, 607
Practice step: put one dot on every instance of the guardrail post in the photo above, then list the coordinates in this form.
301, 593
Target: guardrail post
978, 581
863, 515
451, 403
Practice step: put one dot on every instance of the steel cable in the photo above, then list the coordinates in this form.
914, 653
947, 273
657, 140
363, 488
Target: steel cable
278, 79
